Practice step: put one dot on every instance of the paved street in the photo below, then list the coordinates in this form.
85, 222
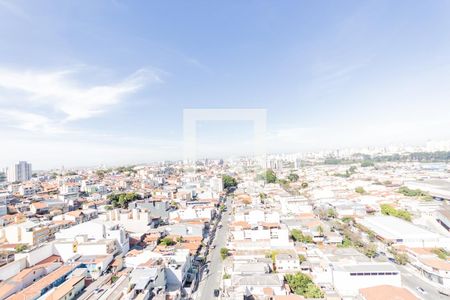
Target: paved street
411, 280
212, 280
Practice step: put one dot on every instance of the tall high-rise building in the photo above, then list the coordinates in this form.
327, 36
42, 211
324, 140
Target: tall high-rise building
20, 172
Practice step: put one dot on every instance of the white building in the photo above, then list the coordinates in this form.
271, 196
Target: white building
294, 205
349, 278
20, 172
189, 213
70, 188
256, 285
96, 230
256, 216
395, 230
287, 263
135, 220
27, 190
275, 235
4, 199
436, 188
216, 184
25, 233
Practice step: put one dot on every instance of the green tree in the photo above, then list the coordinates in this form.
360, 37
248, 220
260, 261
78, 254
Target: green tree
229, 182
301, 284
262, 197
298, 236
360, 190
320, 230
367, 163
272, 255
331, 213
268, 176
304, 185
347, 219
21, 247
388, 210
415, 193
167, 241
441, 253
346, 243
401, 258
370, 250
301, 258
293, 177
122, 199
129, 169
224, 253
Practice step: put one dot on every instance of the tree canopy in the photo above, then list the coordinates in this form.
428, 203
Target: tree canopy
367, 163
268, 176
167, 241
229, 181
129, 169
21, 248
301, 284
414, 193
360, 190
121, 200
388, 210
293, 177
298, 236
224, 252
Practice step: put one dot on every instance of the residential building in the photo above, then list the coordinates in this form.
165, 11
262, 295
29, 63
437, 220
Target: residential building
19, 172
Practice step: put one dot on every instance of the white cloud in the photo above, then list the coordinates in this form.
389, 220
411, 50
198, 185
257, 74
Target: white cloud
60, 92
28, 121
37, 109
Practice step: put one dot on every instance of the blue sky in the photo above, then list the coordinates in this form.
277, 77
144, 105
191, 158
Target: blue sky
92, 82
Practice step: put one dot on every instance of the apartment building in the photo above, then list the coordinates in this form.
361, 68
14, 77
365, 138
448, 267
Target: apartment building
19, 172
4, 200
28, 232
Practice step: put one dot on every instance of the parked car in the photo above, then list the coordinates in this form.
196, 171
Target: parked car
216, 293
421, 290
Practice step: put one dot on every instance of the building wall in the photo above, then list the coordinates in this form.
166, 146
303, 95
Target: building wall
13, 268
36, 255
21, 171
348, 285
4, 198
292, 265
64, 250
77, 288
